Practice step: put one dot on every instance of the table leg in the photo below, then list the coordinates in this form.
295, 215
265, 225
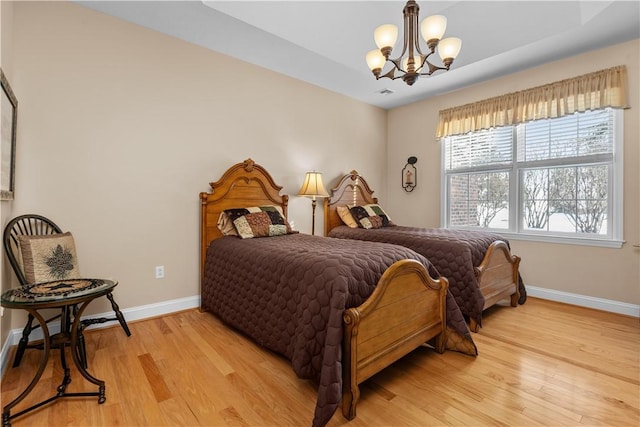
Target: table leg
76, 358
6, 410
65, 323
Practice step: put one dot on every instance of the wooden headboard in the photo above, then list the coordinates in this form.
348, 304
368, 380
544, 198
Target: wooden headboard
243, 185
351, 190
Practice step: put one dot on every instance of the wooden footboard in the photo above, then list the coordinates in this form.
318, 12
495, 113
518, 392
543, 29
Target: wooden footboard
497, 277
407, 309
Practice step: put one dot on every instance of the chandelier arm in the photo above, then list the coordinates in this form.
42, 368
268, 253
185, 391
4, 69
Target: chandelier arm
390, 75
432, 68
423, 60
397, 61
397, 64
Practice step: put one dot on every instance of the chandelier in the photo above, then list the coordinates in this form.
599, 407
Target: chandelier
412, 63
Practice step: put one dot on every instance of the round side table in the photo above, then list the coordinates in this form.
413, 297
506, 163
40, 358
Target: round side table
71, 296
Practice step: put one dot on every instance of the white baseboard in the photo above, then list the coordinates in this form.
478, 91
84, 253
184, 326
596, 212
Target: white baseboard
131, 314
585, 301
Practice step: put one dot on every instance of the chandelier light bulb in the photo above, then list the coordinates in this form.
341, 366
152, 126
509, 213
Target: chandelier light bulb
375, 60
433, 27
386, 36
449, 48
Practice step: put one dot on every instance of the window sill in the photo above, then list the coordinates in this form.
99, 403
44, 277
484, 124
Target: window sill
616, 244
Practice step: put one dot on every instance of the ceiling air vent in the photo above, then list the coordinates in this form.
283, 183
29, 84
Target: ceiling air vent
385, 92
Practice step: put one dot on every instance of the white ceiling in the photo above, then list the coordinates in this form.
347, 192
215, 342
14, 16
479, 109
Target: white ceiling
324, 42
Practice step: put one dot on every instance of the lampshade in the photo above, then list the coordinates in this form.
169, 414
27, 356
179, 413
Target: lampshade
449, 48
385, 35
312, 186
375, 60
433, 27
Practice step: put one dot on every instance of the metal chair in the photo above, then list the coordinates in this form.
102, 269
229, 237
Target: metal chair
36, 225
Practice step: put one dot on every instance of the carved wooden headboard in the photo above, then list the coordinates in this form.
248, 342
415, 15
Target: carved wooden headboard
243, 185
351, 190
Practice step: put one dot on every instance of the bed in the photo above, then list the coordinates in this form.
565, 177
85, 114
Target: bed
478, 265
337, 309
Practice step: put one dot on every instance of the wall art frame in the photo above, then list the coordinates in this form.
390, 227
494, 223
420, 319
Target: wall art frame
8, 128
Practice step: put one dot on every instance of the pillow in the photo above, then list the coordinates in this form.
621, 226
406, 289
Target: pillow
346, 217
370, 216
225, 225
49, 257
259, 221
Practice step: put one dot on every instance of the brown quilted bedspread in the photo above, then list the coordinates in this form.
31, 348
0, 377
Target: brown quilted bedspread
289, 293
454, 253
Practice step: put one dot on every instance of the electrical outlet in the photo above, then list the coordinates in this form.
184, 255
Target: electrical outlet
159, 271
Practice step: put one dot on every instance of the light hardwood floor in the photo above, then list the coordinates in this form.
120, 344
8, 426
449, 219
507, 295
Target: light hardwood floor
540, 364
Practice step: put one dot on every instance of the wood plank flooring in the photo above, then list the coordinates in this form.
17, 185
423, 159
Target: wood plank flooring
539, 364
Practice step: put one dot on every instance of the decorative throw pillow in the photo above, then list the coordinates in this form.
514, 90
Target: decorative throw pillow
370, 216
49, 257
225, 225
259, 221
346, 217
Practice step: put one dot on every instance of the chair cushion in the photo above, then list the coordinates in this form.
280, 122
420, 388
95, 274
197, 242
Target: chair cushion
49, 257
57, 289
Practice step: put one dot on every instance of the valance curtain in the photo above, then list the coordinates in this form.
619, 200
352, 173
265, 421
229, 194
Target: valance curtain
600, 89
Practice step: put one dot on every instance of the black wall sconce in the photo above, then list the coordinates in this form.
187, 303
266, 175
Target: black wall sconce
410, 174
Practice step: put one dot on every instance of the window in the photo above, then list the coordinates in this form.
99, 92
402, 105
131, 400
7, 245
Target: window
558, 179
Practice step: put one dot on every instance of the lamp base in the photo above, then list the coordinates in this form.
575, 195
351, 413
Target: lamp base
313, 216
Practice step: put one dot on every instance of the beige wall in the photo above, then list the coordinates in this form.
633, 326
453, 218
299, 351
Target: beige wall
121, 128
612, 274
